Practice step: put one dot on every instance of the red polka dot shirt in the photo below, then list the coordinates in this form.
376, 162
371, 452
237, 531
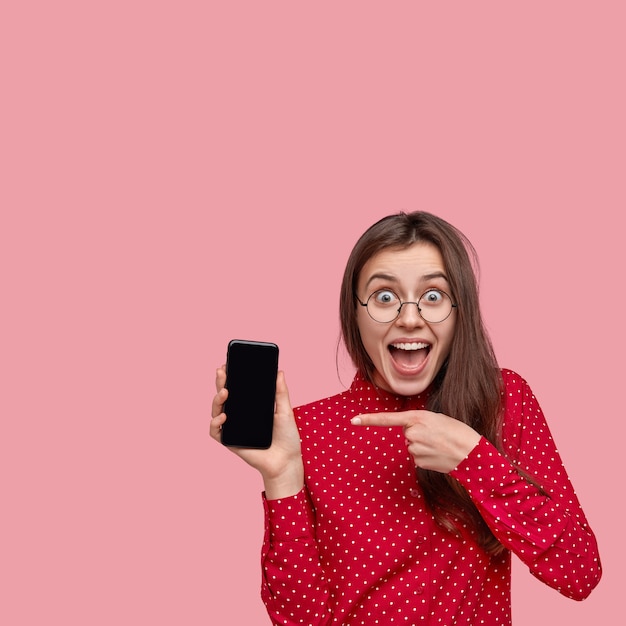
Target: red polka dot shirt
359, 546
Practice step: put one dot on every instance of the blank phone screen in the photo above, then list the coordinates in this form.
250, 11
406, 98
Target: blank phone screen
251, 369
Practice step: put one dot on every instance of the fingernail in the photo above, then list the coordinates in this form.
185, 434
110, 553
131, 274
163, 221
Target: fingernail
355, 421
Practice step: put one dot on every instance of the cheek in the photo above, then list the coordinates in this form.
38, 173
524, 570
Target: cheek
447, 339
371, 336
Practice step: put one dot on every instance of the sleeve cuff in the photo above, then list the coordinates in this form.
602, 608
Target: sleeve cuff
483, 471
290, 518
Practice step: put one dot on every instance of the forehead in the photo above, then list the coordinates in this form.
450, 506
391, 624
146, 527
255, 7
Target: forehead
411, 264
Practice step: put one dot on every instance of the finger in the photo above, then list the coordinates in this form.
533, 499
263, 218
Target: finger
220, 378
218, 402
382, 419
215, 428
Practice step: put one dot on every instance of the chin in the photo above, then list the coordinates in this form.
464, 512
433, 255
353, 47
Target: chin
408, 387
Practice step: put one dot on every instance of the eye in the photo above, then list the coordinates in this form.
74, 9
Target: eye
432, 297
385, 297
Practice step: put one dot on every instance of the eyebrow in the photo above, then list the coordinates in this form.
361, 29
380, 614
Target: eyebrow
392, 278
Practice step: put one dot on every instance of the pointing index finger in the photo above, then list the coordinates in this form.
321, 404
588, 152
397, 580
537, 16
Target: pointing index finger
381, 419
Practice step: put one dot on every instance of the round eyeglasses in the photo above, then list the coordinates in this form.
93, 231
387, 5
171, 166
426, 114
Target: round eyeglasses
384, 306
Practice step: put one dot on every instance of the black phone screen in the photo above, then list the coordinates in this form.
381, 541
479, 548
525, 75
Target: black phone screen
251, 368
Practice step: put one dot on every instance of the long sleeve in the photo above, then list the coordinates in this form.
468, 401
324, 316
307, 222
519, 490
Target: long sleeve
543, 525
293, 588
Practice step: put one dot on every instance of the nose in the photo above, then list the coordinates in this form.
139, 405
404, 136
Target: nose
409, 315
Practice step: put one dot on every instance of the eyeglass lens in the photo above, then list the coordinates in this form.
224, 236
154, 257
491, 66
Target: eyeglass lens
385, 306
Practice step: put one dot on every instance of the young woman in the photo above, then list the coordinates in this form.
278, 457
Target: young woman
401, 500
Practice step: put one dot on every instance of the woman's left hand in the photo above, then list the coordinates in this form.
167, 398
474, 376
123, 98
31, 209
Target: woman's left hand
434, 440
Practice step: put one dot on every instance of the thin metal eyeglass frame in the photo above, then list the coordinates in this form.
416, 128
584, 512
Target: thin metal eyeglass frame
453, 305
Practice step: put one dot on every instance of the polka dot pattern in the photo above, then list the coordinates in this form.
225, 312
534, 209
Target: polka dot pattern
359, 546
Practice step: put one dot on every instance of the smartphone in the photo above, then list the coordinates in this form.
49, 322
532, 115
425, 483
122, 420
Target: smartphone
251, 369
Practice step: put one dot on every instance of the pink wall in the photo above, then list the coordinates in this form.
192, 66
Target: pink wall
174, 176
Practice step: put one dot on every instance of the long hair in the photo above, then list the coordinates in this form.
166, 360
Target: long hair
468, 386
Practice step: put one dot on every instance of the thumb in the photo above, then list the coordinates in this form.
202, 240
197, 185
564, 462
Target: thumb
283, 403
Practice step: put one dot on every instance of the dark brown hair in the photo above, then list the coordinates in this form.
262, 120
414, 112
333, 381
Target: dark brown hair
468, 386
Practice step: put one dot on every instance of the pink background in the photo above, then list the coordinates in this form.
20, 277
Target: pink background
174, 176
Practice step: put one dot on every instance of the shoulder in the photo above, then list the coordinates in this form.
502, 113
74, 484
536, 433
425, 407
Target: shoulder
515, 388
512, 379
330, 404
331, 413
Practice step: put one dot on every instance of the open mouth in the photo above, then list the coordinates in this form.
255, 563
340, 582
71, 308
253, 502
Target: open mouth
410, 355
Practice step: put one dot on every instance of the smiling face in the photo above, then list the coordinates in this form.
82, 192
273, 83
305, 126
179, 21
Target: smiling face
407, 353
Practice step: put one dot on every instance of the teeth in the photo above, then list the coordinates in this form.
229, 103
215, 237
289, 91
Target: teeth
410, 346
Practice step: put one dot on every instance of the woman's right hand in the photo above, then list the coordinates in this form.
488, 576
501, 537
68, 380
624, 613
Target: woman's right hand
281, 464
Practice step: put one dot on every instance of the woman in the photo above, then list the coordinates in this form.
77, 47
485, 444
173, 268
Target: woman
402, 499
